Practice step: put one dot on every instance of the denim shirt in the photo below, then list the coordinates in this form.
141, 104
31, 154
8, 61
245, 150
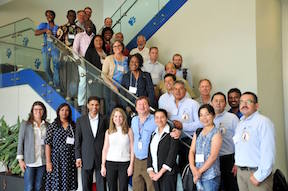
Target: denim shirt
203, 146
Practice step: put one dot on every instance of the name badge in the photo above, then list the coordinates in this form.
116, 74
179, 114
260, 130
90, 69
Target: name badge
185, 117
245, 136
71, 36
70, 140
140, 145
40, 142
49, 39
120, 68
199, 158
132, 90
235, 139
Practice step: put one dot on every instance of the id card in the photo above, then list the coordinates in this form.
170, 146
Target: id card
40, 142
199, 158
132, 90
120, 68
236, 139
71, 36
140, 145
70, 140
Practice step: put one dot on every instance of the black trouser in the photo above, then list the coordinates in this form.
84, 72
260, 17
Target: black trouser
228, 180
87, 180
166, 183
115, 171
183, 153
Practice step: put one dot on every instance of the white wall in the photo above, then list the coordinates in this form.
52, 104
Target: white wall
110, 6
269, 70
17, 101
285, 64
217, 41
234, 44
35, 9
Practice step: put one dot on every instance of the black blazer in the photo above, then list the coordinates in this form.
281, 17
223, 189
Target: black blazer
166, 153
93, 57
88, 148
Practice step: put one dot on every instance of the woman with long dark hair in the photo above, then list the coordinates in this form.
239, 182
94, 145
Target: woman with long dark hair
60, 155
31, 148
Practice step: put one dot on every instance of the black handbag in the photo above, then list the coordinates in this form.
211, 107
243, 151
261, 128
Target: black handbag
279, 181
187, 179
187, 176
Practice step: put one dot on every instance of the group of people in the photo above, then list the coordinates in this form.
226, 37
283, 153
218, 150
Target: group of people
155, 148
221, 146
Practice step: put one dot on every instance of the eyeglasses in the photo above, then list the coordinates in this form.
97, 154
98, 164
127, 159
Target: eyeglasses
247, 102
117, 46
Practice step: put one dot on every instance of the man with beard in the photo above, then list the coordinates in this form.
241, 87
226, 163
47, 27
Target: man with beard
234, 95
184, 73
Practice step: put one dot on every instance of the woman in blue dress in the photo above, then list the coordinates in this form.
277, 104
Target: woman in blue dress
60, 155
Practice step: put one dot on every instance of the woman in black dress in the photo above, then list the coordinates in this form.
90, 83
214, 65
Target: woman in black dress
60, 157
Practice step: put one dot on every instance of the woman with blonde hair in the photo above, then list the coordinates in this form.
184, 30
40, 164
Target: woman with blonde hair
118, 154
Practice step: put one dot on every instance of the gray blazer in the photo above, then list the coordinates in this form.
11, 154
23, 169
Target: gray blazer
26, 145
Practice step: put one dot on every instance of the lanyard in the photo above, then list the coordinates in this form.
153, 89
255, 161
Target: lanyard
70, 127
136, 81
140, 128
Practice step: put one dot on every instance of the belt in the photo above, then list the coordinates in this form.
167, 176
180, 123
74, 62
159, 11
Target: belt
141, 159
248, 168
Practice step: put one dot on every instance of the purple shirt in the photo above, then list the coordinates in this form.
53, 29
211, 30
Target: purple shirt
81, 43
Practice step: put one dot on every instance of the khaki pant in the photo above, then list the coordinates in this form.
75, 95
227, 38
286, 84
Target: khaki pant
140, 176
244, 183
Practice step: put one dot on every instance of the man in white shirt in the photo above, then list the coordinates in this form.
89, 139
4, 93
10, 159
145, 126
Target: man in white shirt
89, 140
141, 49
183, 112
153, 67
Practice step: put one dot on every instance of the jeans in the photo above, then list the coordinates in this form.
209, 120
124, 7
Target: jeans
212, 184
33, 178
48, 52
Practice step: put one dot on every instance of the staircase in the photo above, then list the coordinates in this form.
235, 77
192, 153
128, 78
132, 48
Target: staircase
21, 49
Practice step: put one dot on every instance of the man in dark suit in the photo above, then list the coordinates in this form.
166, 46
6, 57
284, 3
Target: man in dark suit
90, 133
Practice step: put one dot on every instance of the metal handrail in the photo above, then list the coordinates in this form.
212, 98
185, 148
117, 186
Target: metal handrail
18, 45
18, 32
124, 14
57, 41
16, 22
118, 21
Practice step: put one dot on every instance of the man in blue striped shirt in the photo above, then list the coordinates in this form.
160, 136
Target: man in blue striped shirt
254, 147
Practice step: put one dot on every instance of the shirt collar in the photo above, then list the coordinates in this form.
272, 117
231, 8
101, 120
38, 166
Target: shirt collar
165, 130
243, 118
95, 118
41, 124
221, 114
